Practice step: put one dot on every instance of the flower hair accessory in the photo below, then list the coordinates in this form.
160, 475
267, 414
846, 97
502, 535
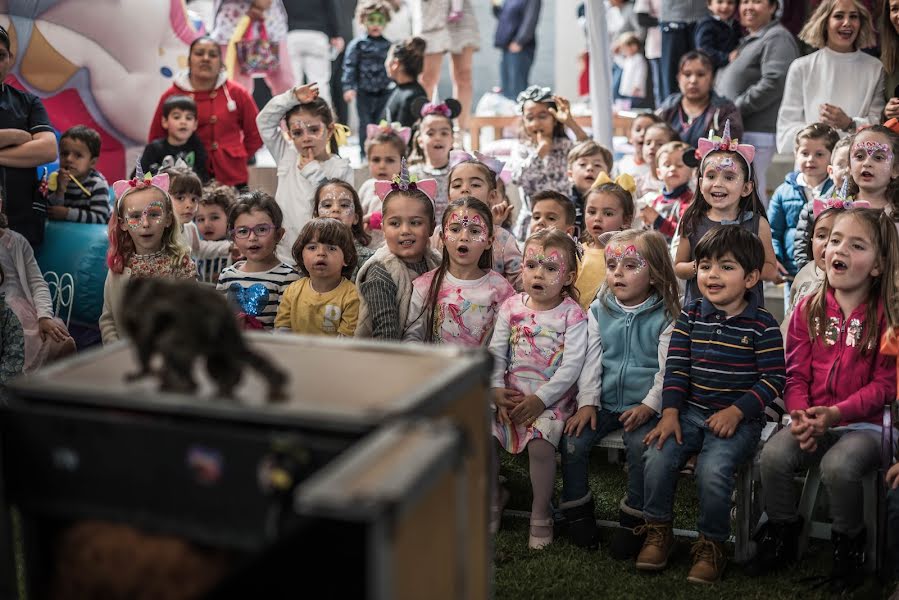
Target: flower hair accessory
727, 144
460, 156
840, 201
534, 93
405, 133
624, 181
405, 182
140, 181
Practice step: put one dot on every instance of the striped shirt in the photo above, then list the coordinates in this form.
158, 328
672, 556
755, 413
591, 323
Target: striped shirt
379, 291
83, 208
715, 362
257, 294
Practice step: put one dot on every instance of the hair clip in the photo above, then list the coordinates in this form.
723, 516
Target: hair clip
727, 144
341, 134
405, 182
840, 201
534, 93
460, 156
624, 181
405, 133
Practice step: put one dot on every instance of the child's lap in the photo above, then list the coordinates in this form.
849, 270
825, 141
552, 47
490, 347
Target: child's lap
698, 439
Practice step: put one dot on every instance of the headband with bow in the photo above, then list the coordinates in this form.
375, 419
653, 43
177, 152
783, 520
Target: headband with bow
405, 133
726, 143
624, 181
534, 93
459, 156
405, 182
840, 201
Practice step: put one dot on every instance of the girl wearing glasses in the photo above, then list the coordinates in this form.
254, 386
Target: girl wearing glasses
306, 157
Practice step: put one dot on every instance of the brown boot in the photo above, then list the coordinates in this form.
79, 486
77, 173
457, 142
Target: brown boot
657, 547
708, 561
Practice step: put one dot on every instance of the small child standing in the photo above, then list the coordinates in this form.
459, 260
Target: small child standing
405, 62
717, 413
633, 164
662, 212
337, 199
179, 120
718, 34
585, 162
212, 223
12, 342
386, 147
324, 302
256, 284
303, 164
79, 192
632, 88
364, 76
655, 136
433, 142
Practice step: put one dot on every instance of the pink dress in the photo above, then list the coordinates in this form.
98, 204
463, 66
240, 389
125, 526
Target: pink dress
542, 353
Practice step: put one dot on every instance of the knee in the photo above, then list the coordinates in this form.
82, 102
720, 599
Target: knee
462, 75
839, 468
659, 462
779, 453
712, 475
635, 447
575, 448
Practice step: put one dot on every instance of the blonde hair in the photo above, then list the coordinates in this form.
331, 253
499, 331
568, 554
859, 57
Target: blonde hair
652, 246
670, 148
814, 33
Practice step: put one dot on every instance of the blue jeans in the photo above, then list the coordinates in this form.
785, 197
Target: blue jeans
656, 71
716, 466
576, 457
369, 108
893, 529
677, 40
515, 70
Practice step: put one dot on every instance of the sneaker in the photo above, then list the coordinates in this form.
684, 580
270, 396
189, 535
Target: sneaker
657, 548
777, 548
708, 561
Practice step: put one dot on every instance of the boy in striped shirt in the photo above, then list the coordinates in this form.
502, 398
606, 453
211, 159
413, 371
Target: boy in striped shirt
80, 193
725, 365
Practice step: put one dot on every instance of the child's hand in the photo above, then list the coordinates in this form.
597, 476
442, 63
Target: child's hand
822, 418
306, 93
501, 212
503, 415
527, 410
544, 145
635, 417
892, 476
307, 155
649, 215
507, 398
562, 112
349, 96
668, 425
724, 422
234, 251
58, 213
50, 328
576, 422
733, 55
62, 180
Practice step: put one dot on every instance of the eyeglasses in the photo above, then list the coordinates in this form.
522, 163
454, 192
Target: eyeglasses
263, 230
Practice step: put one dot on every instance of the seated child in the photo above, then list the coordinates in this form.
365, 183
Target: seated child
718, 34
337, 199
79, 193
552, 210
585, 162
212, 223
256, 284
386, 149
663, 212
179, 120
633, 164
432, 144
655, 136
324, 302
12, 342
716, 412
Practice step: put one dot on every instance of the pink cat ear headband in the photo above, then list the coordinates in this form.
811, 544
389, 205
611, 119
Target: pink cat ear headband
459, 156
384, 127
404, 182
841, 201
140, 181
726, 143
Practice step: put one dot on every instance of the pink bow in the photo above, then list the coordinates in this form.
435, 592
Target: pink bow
430, 108
819, 205
123, 186
494, 164
371, 130
428, 186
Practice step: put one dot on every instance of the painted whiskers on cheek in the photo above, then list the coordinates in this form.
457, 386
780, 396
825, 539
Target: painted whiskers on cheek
625, 253
154, 212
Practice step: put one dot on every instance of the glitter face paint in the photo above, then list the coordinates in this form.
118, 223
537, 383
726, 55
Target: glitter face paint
336, 205
315, 130
460, 220
154, 213
553, 262
628, 255
875, 150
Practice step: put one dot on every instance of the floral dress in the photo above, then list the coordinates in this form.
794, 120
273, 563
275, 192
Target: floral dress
542, 353
535, 174
12, 344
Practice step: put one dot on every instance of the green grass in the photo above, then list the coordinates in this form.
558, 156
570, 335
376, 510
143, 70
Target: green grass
565, 571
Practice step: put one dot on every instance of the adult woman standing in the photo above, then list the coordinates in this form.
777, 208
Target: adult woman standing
838, 85
26, 141
226, 113
755, 77
889, 55
696, 109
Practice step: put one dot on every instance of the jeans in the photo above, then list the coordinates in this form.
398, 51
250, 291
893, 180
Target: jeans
677, 40
656, 70
369, 107
893, 529
515, 70
846, 456
718, 461
576, 457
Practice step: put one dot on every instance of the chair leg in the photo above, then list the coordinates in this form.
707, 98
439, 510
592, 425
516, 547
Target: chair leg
807, 506
872, 524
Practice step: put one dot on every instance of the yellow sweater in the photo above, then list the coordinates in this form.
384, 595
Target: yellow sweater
591, 275
303, 310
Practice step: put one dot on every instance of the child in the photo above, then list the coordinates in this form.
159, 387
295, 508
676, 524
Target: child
256, 284
874, 168
433, 142
212, 223
633, 164
12, 342
79, 193
385, 147
540, 158
725, 194
838, 173
663, 212
478, 176
809, 180
144, 241
655, 136
337, 199
538, 347
610, 208
457, 302
364, 76
385, 281
405, 62
718, 34
837, 384
585, 162
324, 302
179, 120
303, 164
552, 210
715, 412
629, 327
628, 55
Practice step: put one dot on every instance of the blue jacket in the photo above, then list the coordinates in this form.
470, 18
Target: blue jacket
784, 211
517, 22
363, 65
717, 38
630, 350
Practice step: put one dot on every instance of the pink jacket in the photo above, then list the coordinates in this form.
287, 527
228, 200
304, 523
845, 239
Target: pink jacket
833, 372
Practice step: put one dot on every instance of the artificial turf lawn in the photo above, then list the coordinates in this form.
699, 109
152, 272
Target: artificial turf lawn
563, 570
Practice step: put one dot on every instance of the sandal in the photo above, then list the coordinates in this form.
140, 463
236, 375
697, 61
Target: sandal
496, 512
538, 542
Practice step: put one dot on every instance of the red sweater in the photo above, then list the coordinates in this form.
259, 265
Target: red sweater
837, 374
230, 136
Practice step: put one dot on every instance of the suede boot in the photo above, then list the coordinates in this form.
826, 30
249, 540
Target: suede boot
580, 516
625, 542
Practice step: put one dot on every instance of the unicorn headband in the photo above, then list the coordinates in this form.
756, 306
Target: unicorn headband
405, 182
624, 181
405, 133
726, 143
841, 201
140, 181
460, 156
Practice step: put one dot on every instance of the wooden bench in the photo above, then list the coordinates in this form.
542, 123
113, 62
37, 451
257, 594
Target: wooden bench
621, 123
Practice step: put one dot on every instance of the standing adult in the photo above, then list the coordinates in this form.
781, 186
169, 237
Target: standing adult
889, 56
312, 30
458, 36
269, 13
226, 113
516, 37
27, 140
755, 77
677, 21
838, 85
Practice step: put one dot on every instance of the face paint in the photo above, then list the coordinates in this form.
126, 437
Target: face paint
336, 205
552, 261
376, 19
727, 163
315, 130
629, 255
154, 212
870, 147
460, 220
720, 163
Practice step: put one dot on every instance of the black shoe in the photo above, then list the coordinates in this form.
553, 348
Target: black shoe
625, 543
580, 515
848, 569
778, 546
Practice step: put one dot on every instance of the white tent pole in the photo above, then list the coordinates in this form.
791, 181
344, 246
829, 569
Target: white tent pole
600, 72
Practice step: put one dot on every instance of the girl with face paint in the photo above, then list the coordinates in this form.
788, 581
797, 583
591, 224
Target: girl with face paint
337, 199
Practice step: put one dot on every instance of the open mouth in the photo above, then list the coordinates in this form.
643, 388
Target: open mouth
839, 266
846, 34
597, 230
320, 264
538, 287
719, 195
253, 247
462, 250
714, 287
619, 284
407, 243
590, 178
866, 175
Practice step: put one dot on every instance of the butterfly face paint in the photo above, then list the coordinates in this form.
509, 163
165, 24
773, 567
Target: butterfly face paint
153, 213
876, 151
462, 219
549, 262
627, 256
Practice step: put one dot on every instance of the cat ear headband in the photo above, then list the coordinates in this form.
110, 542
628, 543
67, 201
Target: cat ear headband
726, 143
624, 181
405, 133
841, 201
449, 108
405, 182
459, 156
